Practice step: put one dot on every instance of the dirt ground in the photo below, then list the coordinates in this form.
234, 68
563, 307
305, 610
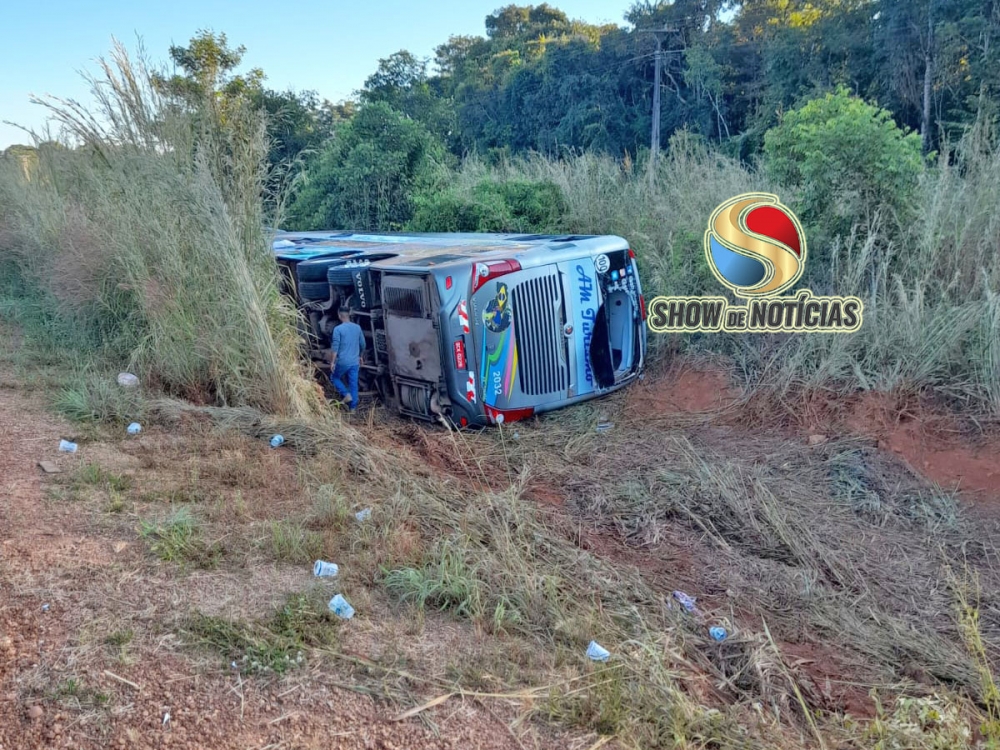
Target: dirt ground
75, 577
70, 580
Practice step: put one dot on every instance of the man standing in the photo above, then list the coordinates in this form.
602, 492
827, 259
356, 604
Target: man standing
346, 350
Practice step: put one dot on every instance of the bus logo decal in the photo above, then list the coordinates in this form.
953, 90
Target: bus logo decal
497, 315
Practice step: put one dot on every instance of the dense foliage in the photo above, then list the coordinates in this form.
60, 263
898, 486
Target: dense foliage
540, 81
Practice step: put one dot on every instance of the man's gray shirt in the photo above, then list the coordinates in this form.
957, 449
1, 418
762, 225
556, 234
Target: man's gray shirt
348, 344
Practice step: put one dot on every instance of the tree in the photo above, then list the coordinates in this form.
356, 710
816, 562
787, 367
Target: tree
207, 84
401, 81
491, 206
846, 159
521, 21
207, 64
365, 176
24, 157
939, 62
296, 122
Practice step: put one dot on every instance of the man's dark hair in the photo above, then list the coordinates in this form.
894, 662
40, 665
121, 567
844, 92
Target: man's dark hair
344, 310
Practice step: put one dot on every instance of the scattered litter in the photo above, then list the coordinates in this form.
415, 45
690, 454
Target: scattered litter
685, 601
45, 608
363, 515
277, 440
135, 428
166, 718
48, 467
234, 665
718, 633
597, 652
517, 435
339, 606
65, 446
603, 427
127, 380
325, 569
817, 439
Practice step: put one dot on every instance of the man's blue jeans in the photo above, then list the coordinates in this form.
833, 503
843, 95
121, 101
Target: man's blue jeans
337, 378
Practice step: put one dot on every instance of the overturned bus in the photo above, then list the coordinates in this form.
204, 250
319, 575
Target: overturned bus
474, 329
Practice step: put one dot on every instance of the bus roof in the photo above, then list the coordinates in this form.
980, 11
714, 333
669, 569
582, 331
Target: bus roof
305, 245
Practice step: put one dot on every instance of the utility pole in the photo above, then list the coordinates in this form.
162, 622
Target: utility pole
654, 139
925, 118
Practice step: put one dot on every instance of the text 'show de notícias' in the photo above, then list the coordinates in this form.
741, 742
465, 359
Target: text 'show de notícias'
803, 313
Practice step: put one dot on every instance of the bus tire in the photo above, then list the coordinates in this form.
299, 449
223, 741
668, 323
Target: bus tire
314, 290
341, 276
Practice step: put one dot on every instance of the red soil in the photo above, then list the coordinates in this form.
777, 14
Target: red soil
934, 443
683, 391
931, 441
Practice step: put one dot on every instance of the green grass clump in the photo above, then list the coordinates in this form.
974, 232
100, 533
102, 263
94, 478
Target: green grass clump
94, 475
447, 582
292, 543
274, 646
99, 398
178, 538
118, 642
330, 509
75, 693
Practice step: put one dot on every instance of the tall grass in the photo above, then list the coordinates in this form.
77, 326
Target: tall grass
146, 230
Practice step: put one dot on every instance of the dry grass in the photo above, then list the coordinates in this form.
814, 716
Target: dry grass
467, 585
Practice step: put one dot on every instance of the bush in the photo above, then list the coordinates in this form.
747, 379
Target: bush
492, 206
365, 176
846, 158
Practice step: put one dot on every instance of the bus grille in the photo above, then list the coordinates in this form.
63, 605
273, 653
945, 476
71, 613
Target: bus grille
541, 364
408, 303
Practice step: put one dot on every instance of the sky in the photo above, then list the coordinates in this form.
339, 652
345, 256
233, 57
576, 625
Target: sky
329, 47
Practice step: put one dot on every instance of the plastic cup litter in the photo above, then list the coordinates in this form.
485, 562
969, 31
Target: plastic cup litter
340, 607
65, 446
135, 428
325, 569
277, 440
596, 652
718, 633
605, 427
363, 515
686, 601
